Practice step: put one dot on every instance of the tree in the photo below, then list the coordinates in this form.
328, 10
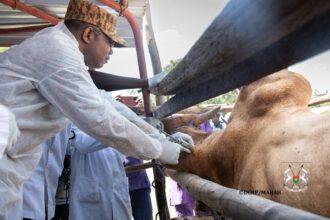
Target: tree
3, 49
227, 98
173, 63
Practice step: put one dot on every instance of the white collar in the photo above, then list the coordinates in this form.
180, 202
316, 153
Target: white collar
61, 26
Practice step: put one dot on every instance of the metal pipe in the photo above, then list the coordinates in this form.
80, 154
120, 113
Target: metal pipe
31, 10
237, 204
23, 29
139, 50
138, 167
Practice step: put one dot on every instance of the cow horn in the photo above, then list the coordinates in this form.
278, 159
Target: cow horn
178, 120
206, 116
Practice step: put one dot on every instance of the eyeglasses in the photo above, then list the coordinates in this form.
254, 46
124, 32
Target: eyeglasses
111, 42
98, 32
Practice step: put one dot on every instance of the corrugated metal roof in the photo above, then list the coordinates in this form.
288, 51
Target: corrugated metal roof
10, 18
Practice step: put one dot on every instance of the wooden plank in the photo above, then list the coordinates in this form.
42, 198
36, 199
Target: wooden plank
138, 167
244, 28
319, 100
235, 204
309, 39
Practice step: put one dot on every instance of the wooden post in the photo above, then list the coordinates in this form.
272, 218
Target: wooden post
158, 170
153, 50
248, 40
319, 100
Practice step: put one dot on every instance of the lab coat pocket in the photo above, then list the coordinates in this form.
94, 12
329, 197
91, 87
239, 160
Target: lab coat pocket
88, 190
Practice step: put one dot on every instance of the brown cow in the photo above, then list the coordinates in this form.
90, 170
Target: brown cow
270, 128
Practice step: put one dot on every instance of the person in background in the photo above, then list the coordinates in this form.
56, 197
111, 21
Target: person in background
63, 187
216, 123
44, 81
39, 190
181, 199
99, 187
94, 165
139, 191
219, 121
206, 127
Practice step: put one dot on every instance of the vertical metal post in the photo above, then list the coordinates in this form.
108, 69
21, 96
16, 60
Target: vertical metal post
139, 50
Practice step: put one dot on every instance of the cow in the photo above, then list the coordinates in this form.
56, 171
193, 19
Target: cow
272, 142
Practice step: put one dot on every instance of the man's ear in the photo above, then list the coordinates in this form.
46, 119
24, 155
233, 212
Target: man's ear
87, 35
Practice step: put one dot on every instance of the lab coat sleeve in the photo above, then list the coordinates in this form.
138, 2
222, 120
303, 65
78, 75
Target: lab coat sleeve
71, 89
9, 131
84, 143
134, 118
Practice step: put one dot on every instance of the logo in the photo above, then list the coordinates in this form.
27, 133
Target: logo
295, 177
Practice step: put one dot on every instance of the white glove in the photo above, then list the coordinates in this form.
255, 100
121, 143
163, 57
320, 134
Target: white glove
156, 79
186, 137
170, 152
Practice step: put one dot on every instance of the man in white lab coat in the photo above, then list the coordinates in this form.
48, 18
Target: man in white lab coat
99, 187
40, 189
44, 81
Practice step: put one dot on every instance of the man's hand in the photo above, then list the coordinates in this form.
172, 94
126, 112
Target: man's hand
170, 152
185, 137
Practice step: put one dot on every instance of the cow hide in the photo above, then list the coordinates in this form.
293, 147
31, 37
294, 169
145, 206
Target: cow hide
270, 129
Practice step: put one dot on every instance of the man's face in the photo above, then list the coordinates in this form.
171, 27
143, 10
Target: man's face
98, 50
215, 118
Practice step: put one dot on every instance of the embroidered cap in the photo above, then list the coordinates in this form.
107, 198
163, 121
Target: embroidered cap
83, 10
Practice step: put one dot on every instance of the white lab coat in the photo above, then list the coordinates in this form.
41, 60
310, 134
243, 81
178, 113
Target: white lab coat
45, 83
9, 131
40, 189
99, 186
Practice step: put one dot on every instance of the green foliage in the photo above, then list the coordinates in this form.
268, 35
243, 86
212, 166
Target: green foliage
321, 105
168, 68
3, 49
134, 92
227, 98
